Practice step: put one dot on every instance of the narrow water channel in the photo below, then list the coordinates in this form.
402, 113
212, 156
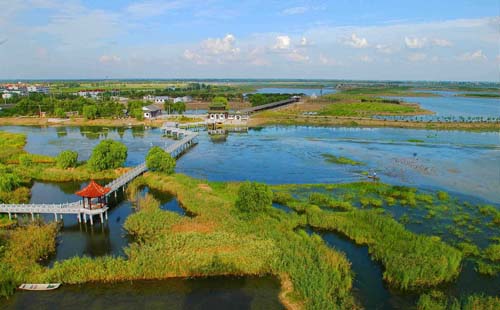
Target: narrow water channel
207, 293
79, 239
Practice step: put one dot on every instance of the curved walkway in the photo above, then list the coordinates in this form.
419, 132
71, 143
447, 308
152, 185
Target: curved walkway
187, 140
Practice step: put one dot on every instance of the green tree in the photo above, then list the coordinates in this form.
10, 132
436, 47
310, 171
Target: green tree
220, 102
67, 159
179, 107
59, 112
90, 112
108, 154
135, 109
254, 197
159, 160
168, 106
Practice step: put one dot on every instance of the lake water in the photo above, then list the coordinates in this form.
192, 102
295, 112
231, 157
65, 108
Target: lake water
306, 91
224, 293
459, 162
449, 105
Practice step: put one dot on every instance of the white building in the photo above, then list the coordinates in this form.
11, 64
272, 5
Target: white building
161, 99
184, 99
6, 95
93, 93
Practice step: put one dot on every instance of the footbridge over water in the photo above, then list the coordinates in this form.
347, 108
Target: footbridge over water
187, 139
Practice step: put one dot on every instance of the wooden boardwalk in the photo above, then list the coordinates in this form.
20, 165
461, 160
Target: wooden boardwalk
187, 139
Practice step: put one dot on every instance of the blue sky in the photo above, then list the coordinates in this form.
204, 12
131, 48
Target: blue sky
357, 39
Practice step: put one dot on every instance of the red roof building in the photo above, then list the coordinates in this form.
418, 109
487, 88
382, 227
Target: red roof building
94, 190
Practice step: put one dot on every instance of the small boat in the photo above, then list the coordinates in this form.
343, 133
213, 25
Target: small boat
39, 287
376, 178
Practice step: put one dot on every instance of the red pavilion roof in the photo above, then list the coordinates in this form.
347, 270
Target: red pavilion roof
93, 190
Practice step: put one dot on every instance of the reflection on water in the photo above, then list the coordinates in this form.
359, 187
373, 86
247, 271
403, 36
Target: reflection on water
455, 161
207, 293
306, 91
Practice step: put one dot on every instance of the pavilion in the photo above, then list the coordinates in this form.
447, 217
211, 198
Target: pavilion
91, 191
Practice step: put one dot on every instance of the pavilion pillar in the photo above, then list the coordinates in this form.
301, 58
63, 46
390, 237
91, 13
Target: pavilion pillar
84, 218
55, 217
102, 219
61, 216
106, 215
91, 220
10, 217
32, 217
78, 218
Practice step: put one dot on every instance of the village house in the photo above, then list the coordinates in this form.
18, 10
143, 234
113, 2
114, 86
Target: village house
151, 111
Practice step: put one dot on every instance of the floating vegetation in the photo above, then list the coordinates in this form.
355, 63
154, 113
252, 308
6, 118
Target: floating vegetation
341, 160
415, 141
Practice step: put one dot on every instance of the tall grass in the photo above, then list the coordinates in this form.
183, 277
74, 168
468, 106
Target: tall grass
410, 260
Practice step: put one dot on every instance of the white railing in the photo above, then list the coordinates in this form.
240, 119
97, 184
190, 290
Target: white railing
77, 206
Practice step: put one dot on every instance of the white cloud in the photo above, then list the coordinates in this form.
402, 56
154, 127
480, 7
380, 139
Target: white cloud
415, 42
386, 49
109, 59
221, 46
282, 43
194, 57
304, 41
295, 10
473, 56
297, 57
356, 41
441, 43
218, 50
416, 57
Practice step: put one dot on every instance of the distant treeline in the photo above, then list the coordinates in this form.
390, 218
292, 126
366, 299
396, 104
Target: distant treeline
59, 105
260, 99
382, 100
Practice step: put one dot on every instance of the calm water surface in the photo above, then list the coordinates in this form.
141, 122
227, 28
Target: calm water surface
210, 293
450, 104
306, 91
460, 162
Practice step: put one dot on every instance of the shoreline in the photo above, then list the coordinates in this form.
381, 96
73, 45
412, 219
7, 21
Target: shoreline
258, 120
337, 121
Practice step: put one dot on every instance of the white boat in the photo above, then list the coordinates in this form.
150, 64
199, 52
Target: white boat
39, 287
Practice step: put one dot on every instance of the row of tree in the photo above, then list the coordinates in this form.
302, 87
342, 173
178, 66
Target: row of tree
261, 99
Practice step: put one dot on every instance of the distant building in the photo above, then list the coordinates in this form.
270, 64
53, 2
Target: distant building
151, 111
161, 99
38, 89
91, 93
184, 99
6, 95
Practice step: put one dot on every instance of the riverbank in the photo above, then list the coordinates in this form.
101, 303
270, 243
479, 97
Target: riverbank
283, 117
100, 122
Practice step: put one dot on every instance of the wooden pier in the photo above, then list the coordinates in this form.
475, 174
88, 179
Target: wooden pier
187, 139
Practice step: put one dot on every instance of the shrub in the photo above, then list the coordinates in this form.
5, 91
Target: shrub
159, 160
443, 196
108, 154
25, 160
90, 112
67, 159
9, 182
59, 112
254, 197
